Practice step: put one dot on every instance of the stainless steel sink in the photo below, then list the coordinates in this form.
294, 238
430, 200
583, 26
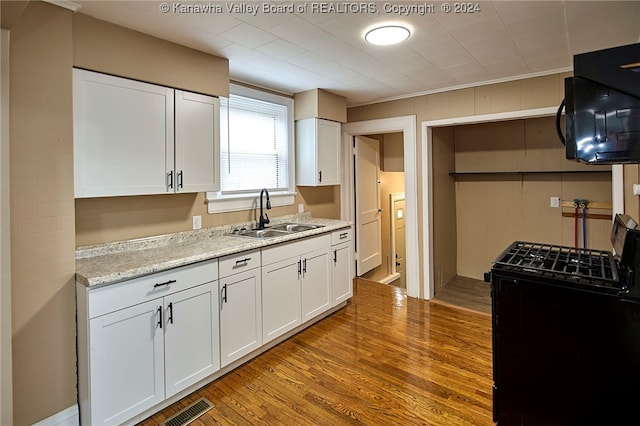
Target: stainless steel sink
260, 233
296, 227
276, 231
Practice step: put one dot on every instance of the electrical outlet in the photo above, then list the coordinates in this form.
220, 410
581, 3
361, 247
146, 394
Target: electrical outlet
555, 202
300, 208
197, 222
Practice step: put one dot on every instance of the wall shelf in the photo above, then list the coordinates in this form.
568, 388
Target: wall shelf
533, 172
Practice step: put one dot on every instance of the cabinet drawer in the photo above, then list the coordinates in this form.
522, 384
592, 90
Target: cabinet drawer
240, 262
341, 236
113, 297
287, 250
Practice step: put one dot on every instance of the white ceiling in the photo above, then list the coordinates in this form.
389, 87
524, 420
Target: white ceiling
294, 52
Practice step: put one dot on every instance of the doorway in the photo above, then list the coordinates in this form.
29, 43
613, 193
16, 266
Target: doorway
406, 126
389, 187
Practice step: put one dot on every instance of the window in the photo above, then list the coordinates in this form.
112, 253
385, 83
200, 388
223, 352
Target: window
256, 150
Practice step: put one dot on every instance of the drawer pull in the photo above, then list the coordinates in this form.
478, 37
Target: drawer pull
170, 177
245, 260
344, 235
164, 283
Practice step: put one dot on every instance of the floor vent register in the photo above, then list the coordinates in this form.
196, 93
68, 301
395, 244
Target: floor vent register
189, 414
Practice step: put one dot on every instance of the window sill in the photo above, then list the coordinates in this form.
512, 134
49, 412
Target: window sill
217, 203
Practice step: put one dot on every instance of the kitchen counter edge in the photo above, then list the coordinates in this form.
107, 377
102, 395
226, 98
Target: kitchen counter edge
103, 269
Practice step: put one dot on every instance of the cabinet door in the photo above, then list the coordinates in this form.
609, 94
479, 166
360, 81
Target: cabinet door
316, 284
317, 152
280, 297
341, 273
191, 337
328, 149
123, 136
240, 315
197, 141
127, 363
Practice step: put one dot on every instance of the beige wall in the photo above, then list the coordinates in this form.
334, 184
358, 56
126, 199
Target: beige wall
493, 210
100, 220
392, 152
105, 47
42, 213
6, 380
445, 259
321, 104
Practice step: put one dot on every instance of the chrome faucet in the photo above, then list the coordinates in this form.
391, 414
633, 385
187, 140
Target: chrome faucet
264, 219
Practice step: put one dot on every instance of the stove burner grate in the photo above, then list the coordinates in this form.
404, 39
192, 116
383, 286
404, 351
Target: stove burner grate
561, 262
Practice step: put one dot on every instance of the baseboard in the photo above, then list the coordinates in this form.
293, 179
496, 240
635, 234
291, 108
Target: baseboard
390, 278
67, 417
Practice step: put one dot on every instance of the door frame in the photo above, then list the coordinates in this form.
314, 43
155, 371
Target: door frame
406, 125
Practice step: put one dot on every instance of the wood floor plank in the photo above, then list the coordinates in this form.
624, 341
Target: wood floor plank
466, 293
385, 359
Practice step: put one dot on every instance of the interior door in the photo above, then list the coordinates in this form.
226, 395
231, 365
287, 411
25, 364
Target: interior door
368, 222
399, 241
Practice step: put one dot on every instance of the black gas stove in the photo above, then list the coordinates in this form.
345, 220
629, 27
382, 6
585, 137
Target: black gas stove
566, 332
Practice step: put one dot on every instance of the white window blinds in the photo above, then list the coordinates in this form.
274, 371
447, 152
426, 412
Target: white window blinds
253, 145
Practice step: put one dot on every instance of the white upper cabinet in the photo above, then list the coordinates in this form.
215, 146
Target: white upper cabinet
197, 141
134, 138
317, 152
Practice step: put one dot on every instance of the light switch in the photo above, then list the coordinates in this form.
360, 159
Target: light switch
555, 202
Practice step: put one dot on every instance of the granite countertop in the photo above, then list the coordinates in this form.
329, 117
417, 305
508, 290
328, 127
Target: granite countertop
114, 262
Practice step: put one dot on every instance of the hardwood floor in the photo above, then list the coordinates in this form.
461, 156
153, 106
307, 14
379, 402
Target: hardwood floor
466, 293
385, 359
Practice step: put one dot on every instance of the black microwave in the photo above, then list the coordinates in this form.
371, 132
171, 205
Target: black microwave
602, 101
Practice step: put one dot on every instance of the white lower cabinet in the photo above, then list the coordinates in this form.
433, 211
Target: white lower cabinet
294, 288
342, 264
190, 337
280, 297
144, 340
127, 364
315, 283
240, 307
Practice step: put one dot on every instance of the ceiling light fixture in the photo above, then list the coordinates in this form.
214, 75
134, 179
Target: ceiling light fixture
387, 34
